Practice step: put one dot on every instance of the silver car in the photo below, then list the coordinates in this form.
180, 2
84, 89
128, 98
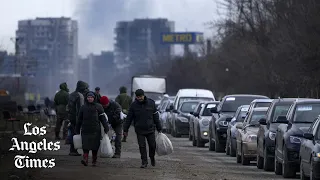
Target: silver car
201, 124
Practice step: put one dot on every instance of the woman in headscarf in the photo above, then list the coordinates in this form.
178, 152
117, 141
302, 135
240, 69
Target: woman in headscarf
89, 119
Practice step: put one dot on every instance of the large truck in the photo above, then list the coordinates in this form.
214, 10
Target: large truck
153, 86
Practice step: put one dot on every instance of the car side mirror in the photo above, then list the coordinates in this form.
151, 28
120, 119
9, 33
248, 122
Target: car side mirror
196, 114
191, 113
175, 111
239, 126
171, 107
263, 121
167, 110
282, 119
214, 110
228, 119
308, 136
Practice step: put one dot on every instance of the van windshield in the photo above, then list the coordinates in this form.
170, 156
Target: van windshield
184, 99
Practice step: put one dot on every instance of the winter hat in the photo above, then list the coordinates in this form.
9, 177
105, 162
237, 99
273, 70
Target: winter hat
90, 94
104, 100
139, 92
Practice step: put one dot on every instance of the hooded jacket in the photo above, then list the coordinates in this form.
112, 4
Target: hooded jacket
123, 99
76, 100
61, 99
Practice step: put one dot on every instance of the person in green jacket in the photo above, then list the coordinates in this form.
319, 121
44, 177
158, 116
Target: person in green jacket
61, 100
125, 101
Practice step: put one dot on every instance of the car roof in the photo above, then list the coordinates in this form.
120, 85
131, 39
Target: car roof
262, 100
260, 109
211, 102
191, 101
247, 95
304, 101
246, 107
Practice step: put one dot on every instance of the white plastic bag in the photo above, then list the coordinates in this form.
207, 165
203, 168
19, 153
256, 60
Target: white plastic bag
77, 141
164, 145
122, 115
106, 147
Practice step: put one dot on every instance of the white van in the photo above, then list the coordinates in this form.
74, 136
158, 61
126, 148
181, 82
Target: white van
192, 94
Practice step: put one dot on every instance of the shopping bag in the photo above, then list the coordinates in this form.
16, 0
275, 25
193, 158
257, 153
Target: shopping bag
163, 145
77, 141
122, 115
106, 147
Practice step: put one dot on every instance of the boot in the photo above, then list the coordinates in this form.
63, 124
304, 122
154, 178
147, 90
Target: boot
116, 156
124, 139
94, 160
57, 136
84, 161
144, 164
153, 161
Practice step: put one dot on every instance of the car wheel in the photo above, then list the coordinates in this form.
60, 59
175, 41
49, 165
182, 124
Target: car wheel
287, 172
268, 165
194, 141
228, 146
260, 161
218, 146
173, 133
302, 174
190, 136
199, 142
244, 160
238, 156
211, 143
277, 167
311, 172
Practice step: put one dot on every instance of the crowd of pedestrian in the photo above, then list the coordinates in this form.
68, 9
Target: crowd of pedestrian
83, 112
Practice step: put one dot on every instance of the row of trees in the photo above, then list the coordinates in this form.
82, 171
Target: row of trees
266, 47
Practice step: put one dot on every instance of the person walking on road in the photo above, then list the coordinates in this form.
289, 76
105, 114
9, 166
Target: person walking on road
113, 111
98, 95
61, 100
145, 118
125, 101
89, 119
76, 100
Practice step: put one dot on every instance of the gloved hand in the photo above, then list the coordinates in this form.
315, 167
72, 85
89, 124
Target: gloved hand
106, 130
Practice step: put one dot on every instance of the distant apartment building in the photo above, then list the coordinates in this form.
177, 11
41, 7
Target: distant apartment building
138, 43
97, 70
7, 63
48, 49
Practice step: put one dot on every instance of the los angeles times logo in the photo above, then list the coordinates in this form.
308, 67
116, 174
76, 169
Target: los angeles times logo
33, 147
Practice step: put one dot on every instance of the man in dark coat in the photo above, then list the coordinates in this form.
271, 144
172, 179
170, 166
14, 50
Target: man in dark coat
61, 100
98, 95
89, 119
145, 117
76, 100
113, 111
125, 101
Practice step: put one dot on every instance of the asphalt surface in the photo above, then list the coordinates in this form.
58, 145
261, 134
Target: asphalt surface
187, 162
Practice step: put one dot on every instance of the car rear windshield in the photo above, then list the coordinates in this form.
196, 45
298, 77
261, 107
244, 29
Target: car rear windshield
207, 109
184, 99
306, 113
280, 110
188, 107
231, 104
256, 116
262, 104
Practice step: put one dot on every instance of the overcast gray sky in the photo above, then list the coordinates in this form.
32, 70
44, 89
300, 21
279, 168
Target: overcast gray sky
97, 18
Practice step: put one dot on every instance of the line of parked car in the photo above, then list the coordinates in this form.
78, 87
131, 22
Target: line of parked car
281, 135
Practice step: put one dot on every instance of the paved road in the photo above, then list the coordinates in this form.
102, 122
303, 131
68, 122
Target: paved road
187, 162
